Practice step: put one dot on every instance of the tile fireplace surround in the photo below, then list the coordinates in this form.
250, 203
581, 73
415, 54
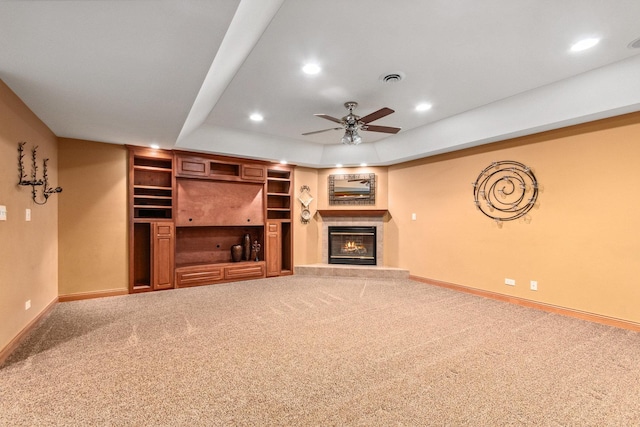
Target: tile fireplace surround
353, 218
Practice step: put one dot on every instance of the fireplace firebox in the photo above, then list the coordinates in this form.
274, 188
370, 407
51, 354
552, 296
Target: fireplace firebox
352, 245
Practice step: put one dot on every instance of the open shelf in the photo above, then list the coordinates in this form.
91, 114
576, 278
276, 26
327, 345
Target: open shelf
141, 255
278, 193
212, 245
224, 169
153, 163
278, 186
275, 174
278, 214
152, 184
278, 201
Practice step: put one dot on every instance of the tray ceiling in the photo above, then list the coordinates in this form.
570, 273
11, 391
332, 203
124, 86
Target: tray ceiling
187, 73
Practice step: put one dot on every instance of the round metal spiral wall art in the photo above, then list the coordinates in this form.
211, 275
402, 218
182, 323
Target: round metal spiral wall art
505, 190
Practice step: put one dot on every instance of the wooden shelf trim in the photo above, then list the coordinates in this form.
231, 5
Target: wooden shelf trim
152, 187
152, 207
145, 196
152, 169
220, 264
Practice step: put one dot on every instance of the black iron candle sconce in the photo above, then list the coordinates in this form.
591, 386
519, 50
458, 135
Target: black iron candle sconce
34, 182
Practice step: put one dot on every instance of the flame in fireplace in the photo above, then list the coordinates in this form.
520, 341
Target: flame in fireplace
351, 247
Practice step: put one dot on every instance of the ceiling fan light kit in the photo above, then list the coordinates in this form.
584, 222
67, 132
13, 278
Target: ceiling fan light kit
352, 123
351, 137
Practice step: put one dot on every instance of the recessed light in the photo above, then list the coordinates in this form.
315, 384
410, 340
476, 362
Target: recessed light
311, 68
584, 44
339, 165
155, 146
423, 107
363, 164
283, 162
256, 117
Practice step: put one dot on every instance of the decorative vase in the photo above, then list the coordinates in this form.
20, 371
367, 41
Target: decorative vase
246, 247
236, 253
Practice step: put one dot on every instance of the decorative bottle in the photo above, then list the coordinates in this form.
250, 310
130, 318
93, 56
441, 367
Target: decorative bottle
246, 247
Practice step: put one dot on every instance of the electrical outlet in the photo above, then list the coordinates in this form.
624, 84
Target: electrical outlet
534, 285
27, 215
27, 304
413, 217
3, 213
510, 282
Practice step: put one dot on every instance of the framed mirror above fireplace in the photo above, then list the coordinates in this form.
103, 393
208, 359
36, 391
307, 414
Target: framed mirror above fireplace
352, 189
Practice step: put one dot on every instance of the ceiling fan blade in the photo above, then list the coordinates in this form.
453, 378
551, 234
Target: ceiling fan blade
376, 115
324, 116
319, 131
385, 129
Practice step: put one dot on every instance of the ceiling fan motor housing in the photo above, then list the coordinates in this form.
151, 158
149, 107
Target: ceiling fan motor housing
351, 120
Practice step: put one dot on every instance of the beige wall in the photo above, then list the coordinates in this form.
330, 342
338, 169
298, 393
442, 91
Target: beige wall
93, 217
28, 250
581, 243
305, 236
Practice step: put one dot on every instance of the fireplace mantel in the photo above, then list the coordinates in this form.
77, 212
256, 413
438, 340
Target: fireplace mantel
352, 212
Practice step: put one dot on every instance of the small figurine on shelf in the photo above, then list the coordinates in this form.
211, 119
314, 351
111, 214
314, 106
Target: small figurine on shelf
256, 248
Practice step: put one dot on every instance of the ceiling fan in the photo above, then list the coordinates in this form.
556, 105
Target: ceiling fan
352, 124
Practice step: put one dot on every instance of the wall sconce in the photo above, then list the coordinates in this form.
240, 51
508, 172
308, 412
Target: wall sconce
34, 182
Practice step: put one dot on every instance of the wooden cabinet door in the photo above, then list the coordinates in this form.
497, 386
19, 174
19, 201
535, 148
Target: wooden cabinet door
256, 173
163, 255
273, 252
189, 166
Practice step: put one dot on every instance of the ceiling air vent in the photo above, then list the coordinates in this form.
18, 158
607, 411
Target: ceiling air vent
392, 77
635, 44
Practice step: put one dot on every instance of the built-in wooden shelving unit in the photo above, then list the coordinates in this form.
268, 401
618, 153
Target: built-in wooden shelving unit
208, 204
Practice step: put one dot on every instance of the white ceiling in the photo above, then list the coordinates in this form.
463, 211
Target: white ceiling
186, 74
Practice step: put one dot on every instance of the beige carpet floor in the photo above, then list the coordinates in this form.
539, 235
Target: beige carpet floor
311, 351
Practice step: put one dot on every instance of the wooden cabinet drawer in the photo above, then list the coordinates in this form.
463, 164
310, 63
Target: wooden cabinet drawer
245, 271
208, 274
198, 275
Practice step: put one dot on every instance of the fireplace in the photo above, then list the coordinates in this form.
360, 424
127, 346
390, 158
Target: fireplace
352, 245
